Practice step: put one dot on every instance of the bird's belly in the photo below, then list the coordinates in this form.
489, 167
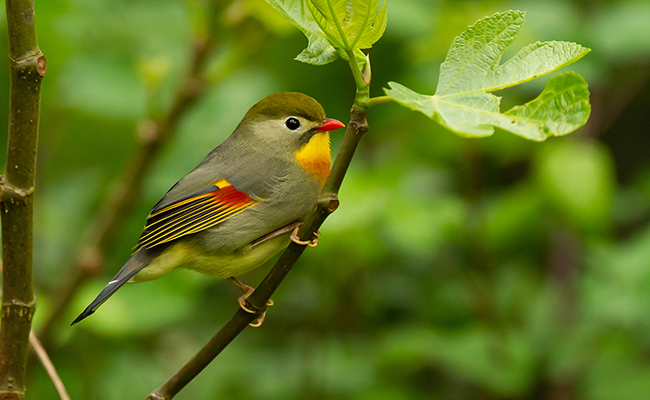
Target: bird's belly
240, 261
219, 265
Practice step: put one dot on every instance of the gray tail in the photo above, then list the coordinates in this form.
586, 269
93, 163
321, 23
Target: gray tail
138, 260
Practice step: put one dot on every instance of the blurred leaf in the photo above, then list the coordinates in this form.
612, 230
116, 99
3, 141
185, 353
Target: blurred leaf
622, 31
147, 308
463, 104
104, 88
501, 362
514, 218
618, 372
630, 205
120, 365
419, 227
68, 204
412, 19
578, 180
617, 285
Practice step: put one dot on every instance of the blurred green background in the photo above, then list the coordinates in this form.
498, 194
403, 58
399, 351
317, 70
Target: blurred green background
454, 269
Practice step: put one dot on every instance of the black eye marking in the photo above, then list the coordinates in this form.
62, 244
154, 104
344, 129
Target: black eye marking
292, 123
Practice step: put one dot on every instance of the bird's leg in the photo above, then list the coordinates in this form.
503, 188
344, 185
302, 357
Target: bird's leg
311, 243
248, 290
281, 231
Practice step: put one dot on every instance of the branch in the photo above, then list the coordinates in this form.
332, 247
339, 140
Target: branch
37, 347
154, 136
327, 204
28, 67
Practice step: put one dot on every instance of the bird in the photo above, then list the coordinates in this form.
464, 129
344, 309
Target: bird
242, 204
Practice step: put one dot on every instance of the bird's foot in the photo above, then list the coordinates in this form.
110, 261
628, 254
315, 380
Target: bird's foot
248, 290
311, 243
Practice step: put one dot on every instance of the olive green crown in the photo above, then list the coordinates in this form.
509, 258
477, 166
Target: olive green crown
287, 104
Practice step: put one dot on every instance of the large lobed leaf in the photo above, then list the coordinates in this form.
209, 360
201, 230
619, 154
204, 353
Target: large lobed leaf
463, 102
334, 27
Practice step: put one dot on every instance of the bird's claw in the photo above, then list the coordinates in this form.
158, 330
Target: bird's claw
242, 300
311, 243
242, 303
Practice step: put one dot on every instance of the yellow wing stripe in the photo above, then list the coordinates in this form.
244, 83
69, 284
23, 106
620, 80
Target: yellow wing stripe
218, 185
182, 223
150, 225
174, 223
193, 214
179, 204
209, 223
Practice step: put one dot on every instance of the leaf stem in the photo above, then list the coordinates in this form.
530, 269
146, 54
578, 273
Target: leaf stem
363, 90
376, 101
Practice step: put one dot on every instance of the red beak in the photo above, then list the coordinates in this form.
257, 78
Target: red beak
330, 125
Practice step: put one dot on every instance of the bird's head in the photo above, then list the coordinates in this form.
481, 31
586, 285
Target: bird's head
292, 125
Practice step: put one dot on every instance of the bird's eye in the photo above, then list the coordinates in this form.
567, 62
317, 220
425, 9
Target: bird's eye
292, 123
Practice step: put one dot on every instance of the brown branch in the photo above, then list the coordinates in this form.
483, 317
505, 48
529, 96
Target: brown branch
154, 136
327, 204
28, 67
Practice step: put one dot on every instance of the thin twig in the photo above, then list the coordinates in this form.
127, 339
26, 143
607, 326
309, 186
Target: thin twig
37, 347
28, 66
327, 204
154, 136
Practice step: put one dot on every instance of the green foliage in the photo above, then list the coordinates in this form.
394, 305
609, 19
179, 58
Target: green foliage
350, 25
463, 102
453, 269
318, 51
577, 179
335, 27
624, 44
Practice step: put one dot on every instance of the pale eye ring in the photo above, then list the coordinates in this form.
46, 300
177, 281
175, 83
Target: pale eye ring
292, 123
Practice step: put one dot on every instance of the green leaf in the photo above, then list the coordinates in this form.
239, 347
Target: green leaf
371, 23
350, 24
561, 108
334, 27
330, 15
463, 102
319, 51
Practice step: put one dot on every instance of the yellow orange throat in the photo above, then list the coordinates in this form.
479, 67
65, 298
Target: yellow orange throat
315, 156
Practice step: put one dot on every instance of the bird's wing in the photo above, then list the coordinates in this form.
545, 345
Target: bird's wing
194, 213
255, 173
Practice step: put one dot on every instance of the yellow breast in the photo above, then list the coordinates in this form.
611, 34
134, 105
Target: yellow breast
315, 156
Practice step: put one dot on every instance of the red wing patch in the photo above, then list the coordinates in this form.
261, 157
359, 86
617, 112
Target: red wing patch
194, 213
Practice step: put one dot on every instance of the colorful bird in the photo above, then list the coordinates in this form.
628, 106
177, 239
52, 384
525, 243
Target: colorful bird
240, 205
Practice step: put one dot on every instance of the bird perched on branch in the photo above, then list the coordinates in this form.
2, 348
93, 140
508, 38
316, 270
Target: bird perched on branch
240, 205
